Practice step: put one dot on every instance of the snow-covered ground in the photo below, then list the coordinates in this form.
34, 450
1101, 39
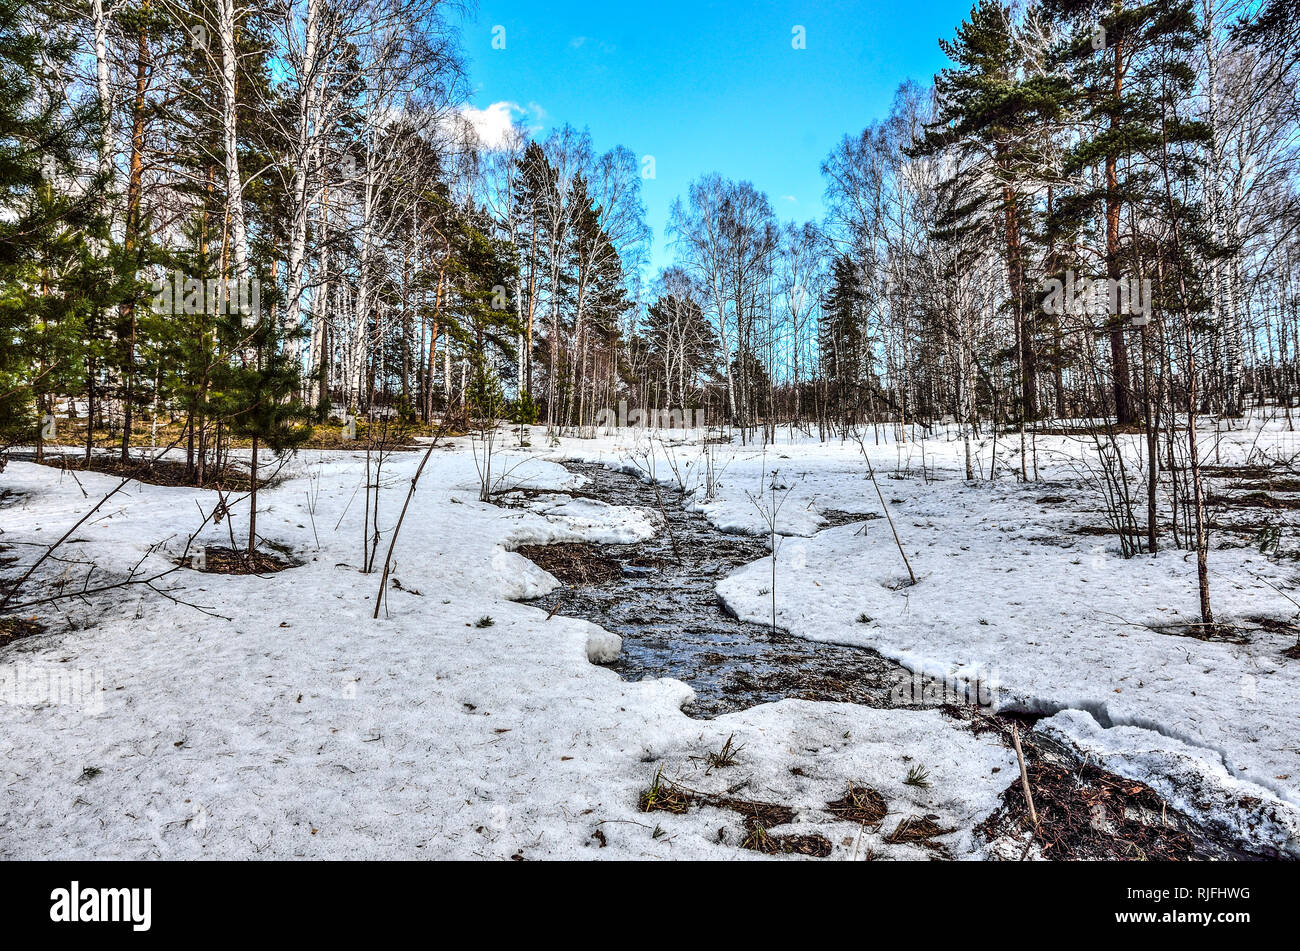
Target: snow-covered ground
286, 722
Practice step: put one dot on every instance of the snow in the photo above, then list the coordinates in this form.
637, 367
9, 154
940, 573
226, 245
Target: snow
282, 721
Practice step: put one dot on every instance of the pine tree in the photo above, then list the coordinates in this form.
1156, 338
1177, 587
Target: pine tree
481, 319
842, 334
51, 215
260, 392
535, 200
992, 112
1118, 54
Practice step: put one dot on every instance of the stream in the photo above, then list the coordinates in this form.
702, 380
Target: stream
663, 604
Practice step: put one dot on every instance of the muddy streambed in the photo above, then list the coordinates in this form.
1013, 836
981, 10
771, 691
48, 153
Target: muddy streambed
659, 597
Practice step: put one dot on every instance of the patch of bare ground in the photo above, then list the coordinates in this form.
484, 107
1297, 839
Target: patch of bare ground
573, 563
1239, 528
1275, 625
860, 804
1279, 484
515, 496
837, 517
665, 796
16, 628
758, 839
1252, 500
7, 561
1102, 530
167, 472
331, 437
920, 830
1220, 632
759, 817
1087, 813
1286, 628
1257, 472
797, 683
1131, 430
230, 561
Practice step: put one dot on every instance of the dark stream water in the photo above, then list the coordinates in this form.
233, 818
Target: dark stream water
664, 607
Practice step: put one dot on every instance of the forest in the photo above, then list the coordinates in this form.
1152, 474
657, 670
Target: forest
1092, 213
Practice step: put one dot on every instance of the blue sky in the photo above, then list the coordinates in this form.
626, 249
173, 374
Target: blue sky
708, 86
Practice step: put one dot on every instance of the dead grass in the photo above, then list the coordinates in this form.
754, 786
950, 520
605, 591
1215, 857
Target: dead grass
664, 796
726, 756
1243, 472
1089, 431
229, 561
860, 804
1086, 813
1104, 530
576, 564
1279, 484
324, 435
837, 517
16, 628
759, 817
1273, 625
919, 829
399, 437
758, 839
1286, 628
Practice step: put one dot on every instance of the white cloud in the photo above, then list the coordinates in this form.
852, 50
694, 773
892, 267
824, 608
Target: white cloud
493, 124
